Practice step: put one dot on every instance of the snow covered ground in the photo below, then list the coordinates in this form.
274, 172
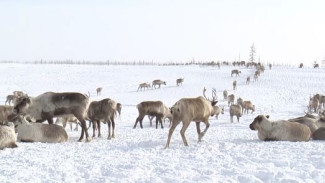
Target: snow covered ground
228, 153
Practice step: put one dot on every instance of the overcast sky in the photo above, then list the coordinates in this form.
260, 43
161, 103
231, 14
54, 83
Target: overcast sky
290, 31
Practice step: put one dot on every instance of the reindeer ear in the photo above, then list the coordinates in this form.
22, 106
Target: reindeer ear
267, 116
213, 103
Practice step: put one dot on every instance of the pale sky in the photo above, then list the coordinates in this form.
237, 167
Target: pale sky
285, 31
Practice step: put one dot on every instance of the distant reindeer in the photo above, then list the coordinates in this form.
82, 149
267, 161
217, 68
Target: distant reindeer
316, 65
234, 85
144, 86
270, 66
235, 71
179, 81
301, 65
248, 80
158, 82
99, 91
11, 98
225, 94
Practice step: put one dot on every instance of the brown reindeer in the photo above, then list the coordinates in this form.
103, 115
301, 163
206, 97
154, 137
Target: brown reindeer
187, 110
152, 108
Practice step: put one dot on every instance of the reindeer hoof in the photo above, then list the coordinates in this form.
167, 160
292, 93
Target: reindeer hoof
80, 140
88, 139
109, 138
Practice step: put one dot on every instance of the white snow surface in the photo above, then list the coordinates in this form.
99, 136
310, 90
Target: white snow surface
230, 152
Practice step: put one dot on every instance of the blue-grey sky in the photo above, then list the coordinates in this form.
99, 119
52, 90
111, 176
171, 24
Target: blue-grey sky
286, 31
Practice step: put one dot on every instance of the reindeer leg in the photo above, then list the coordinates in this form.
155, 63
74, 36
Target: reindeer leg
109, 129
84, 129
185, 125
198, 130
157, 120
98, 127
94, 127
113, 125
136, 122
162, 127
171, 130
207, 125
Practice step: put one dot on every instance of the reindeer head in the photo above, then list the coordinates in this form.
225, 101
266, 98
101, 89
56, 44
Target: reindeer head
22, 105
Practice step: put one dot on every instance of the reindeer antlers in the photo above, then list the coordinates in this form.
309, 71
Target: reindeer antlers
214, 94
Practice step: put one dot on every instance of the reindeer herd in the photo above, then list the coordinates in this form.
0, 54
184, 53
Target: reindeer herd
26, 115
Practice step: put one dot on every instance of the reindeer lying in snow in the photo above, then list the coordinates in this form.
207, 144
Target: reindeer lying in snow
8, 137
37, 132
279, 130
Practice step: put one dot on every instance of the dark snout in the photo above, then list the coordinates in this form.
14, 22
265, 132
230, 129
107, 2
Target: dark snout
251, 126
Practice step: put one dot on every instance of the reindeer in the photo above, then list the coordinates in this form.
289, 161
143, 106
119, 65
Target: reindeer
192, 109
234, 85
248, 80
158, 82
144, 86
99, 91
301, 65
179, 81
235, 71
8, 137
11, 98
225, 94
18, 93
50, 104
103, 110
231, 99
281, 130
152, 108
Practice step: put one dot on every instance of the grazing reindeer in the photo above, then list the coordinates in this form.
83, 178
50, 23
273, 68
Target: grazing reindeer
235, 71
179, 81
103, 110
152, 108
192, 109
99, 91
144, 86
158, 82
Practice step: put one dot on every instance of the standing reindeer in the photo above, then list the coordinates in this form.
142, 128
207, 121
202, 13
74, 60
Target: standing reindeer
144, 86
179, 81
99, 91
158, 82
187, 110
234, 85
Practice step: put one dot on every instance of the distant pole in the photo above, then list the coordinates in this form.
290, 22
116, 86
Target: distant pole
252, 53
